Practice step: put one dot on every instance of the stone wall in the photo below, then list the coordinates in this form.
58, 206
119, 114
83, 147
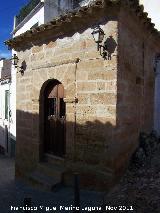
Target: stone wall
115, 96
76, 63
135, 85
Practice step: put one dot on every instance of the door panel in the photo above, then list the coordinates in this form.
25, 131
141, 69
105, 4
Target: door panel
55, 121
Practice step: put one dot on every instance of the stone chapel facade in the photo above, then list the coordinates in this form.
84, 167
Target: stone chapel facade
77, 111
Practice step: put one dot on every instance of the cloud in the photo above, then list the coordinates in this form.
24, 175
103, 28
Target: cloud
5, 54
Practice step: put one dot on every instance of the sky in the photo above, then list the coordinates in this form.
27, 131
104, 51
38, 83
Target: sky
8, 9
152, 7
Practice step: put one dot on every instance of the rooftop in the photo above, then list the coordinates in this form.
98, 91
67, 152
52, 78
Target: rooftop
80, 14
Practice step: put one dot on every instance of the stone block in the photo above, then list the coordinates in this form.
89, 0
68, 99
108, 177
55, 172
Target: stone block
37, 49
111, 86
83, 98
81, 75
86, 110
37, 57
90, 43
51, 44
49, 53
71, 90
105, 111
92, 54
99, 74
70, 108
101, 86
70, 74
103, 98
90, 64
86, 86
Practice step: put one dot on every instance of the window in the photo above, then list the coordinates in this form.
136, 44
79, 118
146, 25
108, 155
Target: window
62, 108
6, 104
52, 106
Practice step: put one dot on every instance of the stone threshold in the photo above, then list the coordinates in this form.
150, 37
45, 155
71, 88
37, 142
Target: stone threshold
54, 157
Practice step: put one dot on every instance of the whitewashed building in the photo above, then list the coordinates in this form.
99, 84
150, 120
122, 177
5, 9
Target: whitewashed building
6, 138
43, 11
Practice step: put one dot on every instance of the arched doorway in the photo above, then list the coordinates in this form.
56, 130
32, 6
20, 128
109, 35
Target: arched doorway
54, 119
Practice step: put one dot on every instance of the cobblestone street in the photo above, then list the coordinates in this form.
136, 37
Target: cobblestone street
13, 193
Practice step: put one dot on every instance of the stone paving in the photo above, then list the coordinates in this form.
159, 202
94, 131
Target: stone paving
12, 194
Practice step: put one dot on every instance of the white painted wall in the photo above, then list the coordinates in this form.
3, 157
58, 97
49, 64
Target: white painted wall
152, 7
3, 122
37, 17
1, 66
13, 103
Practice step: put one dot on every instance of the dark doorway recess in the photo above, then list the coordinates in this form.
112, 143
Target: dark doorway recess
54, 119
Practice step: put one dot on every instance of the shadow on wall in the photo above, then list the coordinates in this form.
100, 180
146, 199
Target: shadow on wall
86, 136
7, 142
97, 143
110, 46
88, 147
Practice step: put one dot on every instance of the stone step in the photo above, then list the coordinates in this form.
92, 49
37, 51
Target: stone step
54, 159
90, 177
51, 170
45, 182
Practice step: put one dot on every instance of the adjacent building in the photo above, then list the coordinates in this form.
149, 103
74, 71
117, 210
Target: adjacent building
81, 108
38, 12
6, 139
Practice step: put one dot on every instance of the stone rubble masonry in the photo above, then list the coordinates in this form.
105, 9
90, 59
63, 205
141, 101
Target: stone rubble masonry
115, 97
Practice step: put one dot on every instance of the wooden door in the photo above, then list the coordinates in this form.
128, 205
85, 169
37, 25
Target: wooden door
55, 121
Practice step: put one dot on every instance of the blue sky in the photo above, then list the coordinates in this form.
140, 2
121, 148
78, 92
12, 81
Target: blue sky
8, 9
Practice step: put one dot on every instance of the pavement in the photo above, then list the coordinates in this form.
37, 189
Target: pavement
13, 193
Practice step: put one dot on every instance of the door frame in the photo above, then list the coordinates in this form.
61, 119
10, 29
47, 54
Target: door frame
42, 121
